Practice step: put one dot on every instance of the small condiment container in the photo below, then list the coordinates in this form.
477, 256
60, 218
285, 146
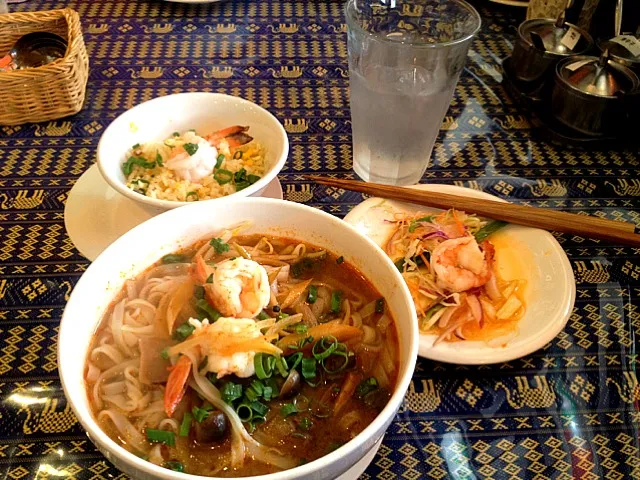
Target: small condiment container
541, 43
624, 49
589, 94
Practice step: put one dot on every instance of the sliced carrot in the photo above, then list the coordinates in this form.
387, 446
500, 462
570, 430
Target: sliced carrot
346, 392
176, 385
342, 332
250, 345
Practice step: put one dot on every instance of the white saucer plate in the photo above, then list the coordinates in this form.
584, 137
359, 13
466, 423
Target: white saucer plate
523, 251
95, 214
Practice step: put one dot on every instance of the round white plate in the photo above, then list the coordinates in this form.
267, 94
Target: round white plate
533, 254
95, 214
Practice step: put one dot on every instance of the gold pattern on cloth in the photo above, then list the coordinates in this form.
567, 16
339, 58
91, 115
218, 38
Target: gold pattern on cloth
540, 395
46, 417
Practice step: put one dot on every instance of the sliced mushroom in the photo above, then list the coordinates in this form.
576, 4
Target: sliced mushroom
212, 429
291, 385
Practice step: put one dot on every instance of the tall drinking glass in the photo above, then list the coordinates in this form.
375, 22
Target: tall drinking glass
405, 58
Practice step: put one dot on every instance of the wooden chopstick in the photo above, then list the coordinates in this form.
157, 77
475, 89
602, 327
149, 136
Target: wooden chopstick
583, 225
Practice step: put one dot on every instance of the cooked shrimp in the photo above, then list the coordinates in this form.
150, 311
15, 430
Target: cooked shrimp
176, 385
195, 164
459, 264
238, 363
240, 288
233, 136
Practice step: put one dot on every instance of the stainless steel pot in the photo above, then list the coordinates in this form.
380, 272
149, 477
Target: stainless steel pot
540, 46
590, 94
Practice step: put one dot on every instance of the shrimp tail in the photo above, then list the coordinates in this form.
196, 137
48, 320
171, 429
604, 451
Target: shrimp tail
176, 385
200, 271
234, 135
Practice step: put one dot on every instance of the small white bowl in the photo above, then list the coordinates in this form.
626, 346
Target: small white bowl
145, 244
157, 119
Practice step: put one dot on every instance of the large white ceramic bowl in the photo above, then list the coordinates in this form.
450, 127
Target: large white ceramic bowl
157, 119
145, 244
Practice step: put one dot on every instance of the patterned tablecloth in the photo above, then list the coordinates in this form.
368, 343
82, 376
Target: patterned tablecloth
570, 410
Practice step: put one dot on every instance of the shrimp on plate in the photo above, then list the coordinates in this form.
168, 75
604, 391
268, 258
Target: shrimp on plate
459, 264
239, 288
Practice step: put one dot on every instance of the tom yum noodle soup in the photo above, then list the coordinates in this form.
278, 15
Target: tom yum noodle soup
242, 355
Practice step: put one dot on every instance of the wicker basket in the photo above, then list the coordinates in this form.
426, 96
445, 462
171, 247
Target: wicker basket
51, 91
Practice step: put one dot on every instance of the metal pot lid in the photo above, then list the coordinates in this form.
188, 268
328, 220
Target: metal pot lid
557, 36
597, 76
623, 46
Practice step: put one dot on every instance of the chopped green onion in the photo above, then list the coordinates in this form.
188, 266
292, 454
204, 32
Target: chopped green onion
165, 353
281, 365
288, 409
301, 343
339, 358
340, 260
237, 155
267, 392
257, 386
175, 466
302, 403
263, 315
219, 245
183, 331
231, 392
305, 424
296, 358
159, 159
185, 426
242, 185
191, 148
253, 179
301, 329
240, 175
367, 386
127, 167
193, 195
245, 412
210, 278
141, 181
336, 301
219, 161
259, 408
222, 176
325, 350
415, 223
211, 313
489, 229
262, 365
417, 260
199, 414
161, 436
380, 305
312, 296
250, 394
174, 258
282, 315
309, 366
